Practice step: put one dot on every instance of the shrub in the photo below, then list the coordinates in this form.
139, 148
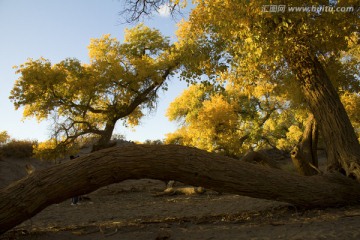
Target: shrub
51, 150
154, 142
18, 148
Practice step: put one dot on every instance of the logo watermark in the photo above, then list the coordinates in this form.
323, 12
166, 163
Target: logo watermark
314, 8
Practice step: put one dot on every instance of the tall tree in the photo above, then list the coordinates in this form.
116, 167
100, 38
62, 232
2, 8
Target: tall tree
121, 82
257, 38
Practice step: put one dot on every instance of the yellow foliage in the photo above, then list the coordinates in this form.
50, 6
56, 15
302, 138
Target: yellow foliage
251, 43
134, 118
187, 104
120, 82
51, 150
217, 111
103, 49
270, 125
228, 122
351, 103
4, 137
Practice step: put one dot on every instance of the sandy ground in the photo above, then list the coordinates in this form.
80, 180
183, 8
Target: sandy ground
133, 210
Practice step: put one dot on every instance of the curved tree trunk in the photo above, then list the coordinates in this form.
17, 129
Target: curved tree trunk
104, 141
25, 198
342, 146
304, 155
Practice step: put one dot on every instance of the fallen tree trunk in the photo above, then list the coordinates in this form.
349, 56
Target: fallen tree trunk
25, 198
259, 158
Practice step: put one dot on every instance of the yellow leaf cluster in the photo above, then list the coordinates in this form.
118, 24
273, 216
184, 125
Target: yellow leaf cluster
50, 150
119, 83
230, 123
250, 44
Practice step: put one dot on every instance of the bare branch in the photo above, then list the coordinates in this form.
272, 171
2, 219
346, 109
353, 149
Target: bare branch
136, 10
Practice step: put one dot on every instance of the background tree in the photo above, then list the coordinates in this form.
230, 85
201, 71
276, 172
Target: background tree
254, 40
231, 122
121, 82
303, 41
4, 137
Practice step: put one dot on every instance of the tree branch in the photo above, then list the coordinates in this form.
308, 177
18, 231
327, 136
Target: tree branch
144, 95
136, 9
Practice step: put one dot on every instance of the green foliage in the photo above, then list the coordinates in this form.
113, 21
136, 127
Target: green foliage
117, 137
153, 142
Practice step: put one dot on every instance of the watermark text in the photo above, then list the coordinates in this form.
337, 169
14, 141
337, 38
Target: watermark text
314, 9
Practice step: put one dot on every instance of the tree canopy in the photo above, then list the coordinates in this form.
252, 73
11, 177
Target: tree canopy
121, 82
311, 51
232, 123
4, 137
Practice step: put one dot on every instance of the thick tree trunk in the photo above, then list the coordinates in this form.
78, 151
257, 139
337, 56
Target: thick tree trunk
342, 146
104, 141
304, 154
259, 158
27, 197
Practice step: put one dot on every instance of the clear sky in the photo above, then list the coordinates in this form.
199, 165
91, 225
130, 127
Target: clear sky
55, 30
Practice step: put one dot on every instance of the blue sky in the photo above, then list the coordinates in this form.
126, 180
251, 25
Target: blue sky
57, 29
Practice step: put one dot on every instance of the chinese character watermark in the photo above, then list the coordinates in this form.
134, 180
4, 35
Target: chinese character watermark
313, 8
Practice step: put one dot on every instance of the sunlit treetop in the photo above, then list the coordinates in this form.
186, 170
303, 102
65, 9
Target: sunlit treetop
253, 40
242, 47
121, 82
232, 123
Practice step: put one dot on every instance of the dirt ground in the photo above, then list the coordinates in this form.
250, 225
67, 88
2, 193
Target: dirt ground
134, 210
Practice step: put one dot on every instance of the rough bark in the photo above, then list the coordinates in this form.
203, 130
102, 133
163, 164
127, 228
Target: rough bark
342, 146
25, 198
259, 158
104, 141
304, 154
